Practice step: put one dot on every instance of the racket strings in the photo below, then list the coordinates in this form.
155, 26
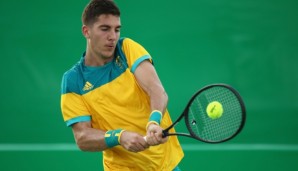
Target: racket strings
214, 130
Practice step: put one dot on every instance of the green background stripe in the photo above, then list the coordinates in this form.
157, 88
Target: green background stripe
186, 147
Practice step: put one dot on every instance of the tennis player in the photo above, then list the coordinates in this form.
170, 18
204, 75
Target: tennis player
113, 97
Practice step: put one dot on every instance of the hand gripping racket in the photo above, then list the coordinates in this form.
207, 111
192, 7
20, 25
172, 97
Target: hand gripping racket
227, 122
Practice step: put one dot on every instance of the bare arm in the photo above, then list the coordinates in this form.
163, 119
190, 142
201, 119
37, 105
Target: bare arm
90, 139
151, 84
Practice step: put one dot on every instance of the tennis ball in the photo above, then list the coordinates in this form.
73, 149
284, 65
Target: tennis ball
214, 110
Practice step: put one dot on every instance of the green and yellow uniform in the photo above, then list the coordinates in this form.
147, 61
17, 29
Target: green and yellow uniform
110, 98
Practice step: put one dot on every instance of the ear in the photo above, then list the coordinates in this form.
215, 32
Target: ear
85, 31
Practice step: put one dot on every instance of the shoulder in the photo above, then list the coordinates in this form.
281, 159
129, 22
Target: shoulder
70, 79
72, 73
130, 46
125, 41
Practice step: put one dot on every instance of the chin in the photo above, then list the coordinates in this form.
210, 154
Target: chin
108, 55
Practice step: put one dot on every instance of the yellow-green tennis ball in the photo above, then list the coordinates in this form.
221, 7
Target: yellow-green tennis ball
214, 110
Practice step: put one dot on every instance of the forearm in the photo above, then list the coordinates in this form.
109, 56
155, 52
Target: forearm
158, 98
159, 102
150, 83
89, 139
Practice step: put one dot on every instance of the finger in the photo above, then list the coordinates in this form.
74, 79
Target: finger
158, 137
152, 139
148, 139
141, 145
145, 144
134, 149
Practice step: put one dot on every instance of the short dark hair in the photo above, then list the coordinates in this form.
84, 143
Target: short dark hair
95, 8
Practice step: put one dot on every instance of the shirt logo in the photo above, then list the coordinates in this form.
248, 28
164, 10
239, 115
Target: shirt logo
119, 62
88, 86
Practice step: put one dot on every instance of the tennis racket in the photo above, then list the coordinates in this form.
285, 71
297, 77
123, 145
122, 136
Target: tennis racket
202, 127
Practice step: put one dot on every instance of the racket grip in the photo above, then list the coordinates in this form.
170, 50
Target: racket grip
165, 133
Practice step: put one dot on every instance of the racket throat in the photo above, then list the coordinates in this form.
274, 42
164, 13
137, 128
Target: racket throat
166, 133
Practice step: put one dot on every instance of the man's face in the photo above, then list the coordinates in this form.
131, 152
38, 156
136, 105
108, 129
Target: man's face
103, 35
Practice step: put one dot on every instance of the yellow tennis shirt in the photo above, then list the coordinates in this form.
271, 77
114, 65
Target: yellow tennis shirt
110, 97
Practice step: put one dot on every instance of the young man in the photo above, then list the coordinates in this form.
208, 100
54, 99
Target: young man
113, 97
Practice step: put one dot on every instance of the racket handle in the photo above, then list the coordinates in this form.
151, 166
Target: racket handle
165, 133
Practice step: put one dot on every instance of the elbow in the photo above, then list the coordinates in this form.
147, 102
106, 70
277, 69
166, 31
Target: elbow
81, 142
81, 145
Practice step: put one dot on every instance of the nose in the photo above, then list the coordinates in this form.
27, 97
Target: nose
112, 35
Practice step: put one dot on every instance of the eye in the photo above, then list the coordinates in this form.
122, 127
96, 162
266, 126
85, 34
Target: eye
117, 29
104, 29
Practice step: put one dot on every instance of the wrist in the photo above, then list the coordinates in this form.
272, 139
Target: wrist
112, 137
155, 118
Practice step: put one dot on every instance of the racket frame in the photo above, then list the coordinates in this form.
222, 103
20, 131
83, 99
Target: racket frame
185, 114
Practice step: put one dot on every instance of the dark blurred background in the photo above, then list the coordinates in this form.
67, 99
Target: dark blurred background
251, 45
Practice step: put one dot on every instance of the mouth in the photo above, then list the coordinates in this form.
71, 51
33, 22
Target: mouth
110, 47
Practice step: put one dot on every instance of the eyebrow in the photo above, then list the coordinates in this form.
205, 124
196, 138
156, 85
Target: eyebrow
108, 26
